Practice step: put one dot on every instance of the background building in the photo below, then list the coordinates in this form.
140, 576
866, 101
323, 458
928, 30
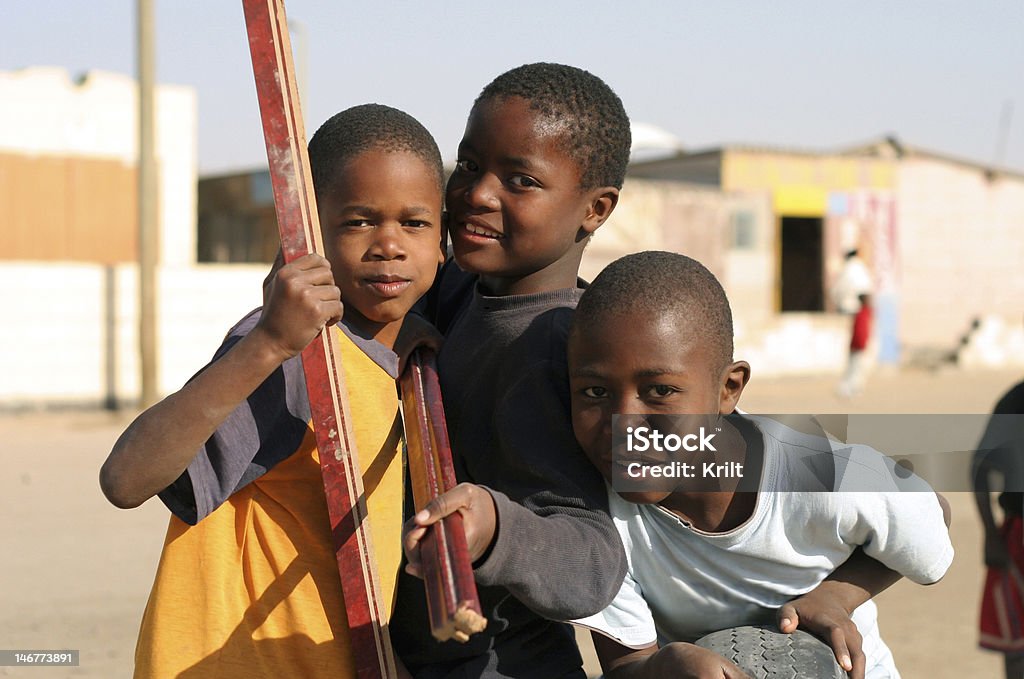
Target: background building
68, 242
941, 236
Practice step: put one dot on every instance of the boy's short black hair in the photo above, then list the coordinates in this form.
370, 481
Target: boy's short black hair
663, 285
369, 126
598, 137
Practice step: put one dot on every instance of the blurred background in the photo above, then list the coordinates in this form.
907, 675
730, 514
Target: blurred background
769, 141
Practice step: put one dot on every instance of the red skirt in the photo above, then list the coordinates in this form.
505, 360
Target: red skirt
1002, 600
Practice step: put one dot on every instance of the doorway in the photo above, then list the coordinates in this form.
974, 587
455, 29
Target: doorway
802, 266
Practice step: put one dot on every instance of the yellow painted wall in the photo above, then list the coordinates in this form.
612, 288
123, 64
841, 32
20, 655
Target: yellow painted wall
799, 200
800, 184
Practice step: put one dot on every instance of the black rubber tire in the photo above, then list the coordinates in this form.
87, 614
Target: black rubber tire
769, 654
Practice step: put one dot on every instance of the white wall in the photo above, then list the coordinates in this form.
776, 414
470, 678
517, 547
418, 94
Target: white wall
62, 320
962, 253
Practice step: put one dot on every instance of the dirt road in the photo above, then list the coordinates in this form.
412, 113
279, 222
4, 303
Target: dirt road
75, 572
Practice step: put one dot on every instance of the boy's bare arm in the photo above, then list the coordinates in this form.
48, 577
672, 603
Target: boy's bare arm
672, 661
159, 445
995, 552
825, 611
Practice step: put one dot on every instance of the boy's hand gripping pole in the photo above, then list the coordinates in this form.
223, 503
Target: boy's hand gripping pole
299, 228
452, 600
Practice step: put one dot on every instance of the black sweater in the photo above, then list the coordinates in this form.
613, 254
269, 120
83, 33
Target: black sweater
556, 555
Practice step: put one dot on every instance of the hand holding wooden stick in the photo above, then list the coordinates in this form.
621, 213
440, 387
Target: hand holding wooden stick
445, 563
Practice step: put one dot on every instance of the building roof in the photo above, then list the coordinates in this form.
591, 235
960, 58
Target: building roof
884, 147
891, 147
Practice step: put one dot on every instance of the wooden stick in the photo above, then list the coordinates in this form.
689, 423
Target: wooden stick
299, 227
452, 600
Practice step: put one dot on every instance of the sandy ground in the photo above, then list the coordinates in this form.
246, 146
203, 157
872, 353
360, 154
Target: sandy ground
75, 572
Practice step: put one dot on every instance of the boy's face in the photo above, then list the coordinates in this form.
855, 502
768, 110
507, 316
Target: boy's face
381, 222
630, 363
517, 215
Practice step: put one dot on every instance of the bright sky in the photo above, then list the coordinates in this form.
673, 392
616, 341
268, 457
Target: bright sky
813, 74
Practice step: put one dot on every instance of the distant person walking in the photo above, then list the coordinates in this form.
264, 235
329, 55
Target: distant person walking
854, 280
1001, 453
857, 364
852, 295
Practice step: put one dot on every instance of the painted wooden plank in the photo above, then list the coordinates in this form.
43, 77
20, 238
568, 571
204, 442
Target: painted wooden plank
299, 228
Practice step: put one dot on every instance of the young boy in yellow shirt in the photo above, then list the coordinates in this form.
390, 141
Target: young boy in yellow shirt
248, 584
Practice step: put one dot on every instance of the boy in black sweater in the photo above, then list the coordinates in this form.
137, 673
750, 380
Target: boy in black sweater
539, 170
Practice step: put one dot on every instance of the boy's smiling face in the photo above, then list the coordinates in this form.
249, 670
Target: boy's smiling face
380, 216
517, 214
633, 363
